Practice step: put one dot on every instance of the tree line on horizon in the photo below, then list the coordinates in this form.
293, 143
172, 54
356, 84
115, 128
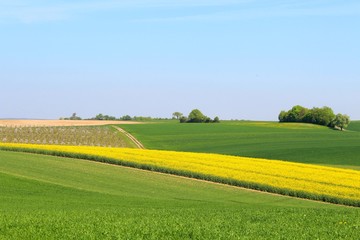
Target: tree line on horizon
125, 118
105, 117
321, 116
324, 116
195, 116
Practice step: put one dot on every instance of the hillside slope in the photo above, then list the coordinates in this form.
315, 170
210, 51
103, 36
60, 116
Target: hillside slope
296, 142
354, 126
52, 198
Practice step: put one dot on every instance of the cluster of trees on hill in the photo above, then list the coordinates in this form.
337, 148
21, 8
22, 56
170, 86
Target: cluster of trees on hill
195, 116
322, 116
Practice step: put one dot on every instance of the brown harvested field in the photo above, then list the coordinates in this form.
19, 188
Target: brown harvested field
53, 123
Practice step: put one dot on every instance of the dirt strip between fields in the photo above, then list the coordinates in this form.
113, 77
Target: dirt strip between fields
131, 137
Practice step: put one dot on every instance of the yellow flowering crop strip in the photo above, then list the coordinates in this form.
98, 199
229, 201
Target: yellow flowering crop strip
295, 179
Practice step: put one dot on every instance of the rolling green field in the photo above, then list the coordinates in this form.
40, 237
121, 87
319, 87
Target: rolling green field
354, 126
296, 142
44, 197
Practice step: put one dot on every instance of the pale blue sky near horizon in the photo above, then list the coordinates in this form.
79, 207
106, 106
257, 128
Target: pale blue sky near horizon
236, 59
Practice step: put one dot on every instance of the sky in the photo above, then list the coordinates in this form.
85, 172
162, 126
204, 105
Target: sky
236, 59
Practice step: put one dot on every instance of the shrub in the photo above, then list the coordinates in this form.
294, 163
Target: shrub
216, 120
183, 119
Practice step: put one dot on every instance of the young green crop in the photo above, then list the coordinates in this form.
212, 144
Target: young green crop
45, 197
294, 179
297, 142
354, 126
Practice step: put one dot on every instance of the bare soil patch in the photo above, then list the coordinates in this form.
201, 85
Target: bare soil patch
53, 123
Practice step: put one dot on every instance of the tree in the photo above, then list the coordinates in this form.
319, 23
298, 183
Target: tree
99, 117
341, 121
283, 116
183, 119
298, 113
126, 118
177, 115
196, 116
107, 117
74, 117
322, 116
216, 120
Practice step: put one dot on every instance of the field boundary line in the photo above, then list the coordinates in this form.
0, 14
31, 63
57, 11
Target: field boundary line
131, 137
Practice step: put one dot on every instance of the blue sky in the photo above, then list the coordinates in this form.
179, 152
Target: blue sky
245, 59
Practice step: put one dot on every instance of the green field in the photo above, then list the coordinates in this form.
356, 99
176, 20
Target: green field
44, 197
296, 142
354, 126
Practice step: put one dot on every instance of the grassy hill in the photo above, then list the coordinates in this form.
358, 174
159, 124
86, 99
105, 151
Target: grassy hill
44, 197
296, 142
354, 126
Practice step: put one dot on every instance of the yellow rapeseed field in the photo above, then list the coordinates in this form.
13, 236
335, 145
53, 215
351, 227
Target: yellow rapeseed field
304, 180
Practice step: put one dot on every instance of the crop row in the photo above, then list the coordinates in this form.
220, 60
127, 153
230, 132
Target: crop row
89, 136
301, 180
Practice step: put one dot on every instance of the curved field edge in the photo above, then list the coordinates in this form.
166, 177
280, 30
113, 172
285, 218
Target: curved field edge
306, 143
186, 173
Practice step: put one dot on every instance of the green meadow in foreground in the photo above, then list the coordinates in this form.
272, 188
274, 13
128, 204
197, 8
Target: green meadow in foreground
298, 142
45, 197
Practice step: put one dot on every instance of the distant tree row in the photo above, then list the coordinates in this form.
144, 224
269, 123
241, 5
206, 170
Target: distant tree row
195, 116
322, 116
100, 116
125, 118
